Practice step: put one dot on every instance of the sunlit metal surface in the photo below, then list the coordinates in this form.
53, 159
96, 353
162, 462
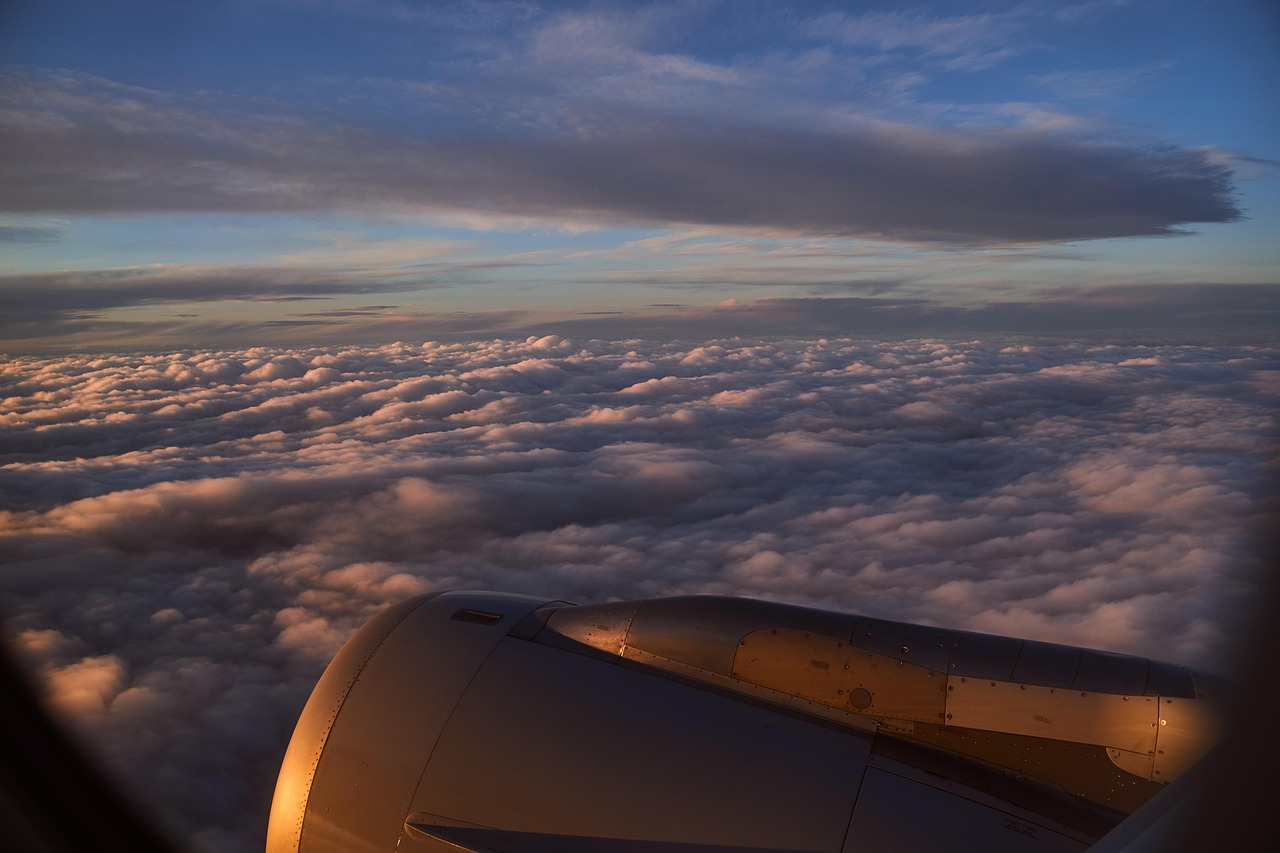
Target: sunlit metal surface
604, 626
1140, 764
840, 675
1185, 726
704, 631
483, 721
1056, 713
382, 704
311, 734
899, 676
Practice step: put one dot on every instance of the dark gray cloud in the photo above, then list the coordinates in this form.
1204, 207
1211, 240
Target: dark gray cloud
1184, 313
79, 145
48, 297
188, 537
62, 311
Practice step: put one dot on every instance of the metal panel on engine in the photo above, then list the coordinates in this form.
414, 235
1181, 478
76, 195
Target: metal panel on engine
917, 644
1046, 664
983, 655
1104, 719
1188, 727
903, 810
836, 674
601, 626
395, 706
548, 741
703, 631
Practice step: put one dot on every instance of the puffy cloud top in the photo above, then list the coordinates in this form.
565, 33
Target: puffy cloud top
189, 537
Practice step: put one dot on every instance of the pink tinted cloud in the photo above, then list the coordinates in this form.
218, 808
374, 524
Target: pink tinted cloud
190, 536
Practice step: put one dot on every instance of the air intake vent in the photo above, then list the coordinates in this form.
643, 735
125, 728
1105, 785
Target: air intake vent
479, 617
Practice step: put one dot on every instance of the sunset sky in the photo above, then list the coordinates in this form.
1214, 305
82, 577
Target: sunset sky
962, 314
238, 173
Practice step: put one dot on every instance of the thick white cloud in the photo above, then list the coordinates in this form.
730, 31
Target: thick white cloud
189, 537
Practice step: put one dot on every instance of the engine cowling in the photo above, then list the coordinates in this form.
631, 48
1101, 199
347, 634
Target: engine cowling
485, 721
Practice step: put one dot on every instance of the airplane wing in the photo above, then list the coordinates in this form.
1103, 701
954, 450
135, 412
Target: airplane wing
492, 722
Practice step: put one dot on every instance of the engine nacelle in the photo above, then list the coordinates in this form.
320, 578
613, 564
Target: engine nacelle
484, 721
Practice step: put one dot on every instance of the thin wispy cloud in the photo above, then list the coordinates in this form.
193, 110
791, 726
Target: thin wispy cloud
1099, 83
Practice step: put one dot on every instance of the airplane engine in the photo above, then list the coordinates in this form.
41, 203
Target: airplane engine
493, 722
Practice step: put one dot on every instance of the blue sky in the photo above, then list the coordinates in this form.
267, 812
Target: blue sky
309, 172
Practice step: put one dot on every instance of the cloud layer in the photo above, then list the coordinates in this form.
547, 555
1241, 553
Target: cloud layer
75, 310
75, 144
189, 537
